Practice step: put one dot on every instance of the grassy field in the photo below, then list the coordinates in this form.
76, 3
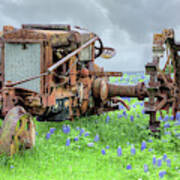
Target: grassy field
115, 145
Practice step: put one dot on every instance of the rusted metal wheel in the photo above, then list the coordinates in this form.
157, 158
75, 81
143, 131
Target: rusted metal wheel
18, 131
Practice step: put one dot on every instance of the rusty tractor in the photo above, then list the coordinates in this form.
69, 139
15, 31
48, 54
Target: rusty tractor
49, 71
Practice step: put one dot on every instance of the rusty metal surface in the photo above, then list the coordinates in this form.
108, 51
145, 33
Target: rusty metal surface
18, 131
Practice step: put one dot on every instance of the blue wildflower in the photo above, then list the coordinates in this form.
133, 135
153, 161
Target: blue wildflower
133, 150
119, 151
162, 173
150, 140
90, 144
159, 162
124, 113
103, 151
145, 168
143, 145
166, 118
154, 160
167, 125
107, 119
167, 133
132, 118
76, 139
128, 167
11, 166
68, 142
81, 131
52, 130
77, 128
150, 149
143, 111
164, 157
66, 129
160, 118
96, 138
48, 135
86, 134
36, 133
107, 147
168, 162
177, 124
120, 116
134, 106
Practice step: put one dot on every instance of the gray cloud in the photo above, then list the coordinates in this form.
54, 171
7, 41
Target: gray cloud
127, 26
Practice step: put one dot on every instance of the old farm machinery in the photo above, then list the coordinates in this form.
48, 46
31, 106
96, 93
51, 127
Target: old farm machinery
49, 71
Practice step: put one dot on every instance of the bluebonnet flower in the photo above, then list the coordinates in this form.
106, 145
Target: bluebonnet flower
119, 151
52, 130
124, 113
159, 162
77, 128
164, 157
150, 149
154, 160
143, 111
76, 139
167, 125
68, 142
48, 135
177, 115
143, 145
167, 133
133, 150
141, 104
11, 166
81, 131
103, 151
132, 118
107, 147
128, 167
162, 173
177, 124
160, 118
107, 119
134, 106
150, 140
120, 116
96, 138
86, 134
120, 107
36, 133
172, 118
66, 129
166, 118
142, 77
91, 144
168, 162
145, 168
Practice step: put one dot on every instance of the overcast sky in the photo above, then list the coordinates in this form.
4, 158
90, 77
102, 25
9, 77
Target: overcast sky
126, 25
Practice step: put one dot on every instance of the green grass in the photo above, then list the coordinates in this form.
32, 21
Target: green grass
51, 159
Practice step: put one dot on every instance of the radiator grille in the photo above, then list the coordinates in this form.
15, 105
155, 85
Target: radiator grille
22, 62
